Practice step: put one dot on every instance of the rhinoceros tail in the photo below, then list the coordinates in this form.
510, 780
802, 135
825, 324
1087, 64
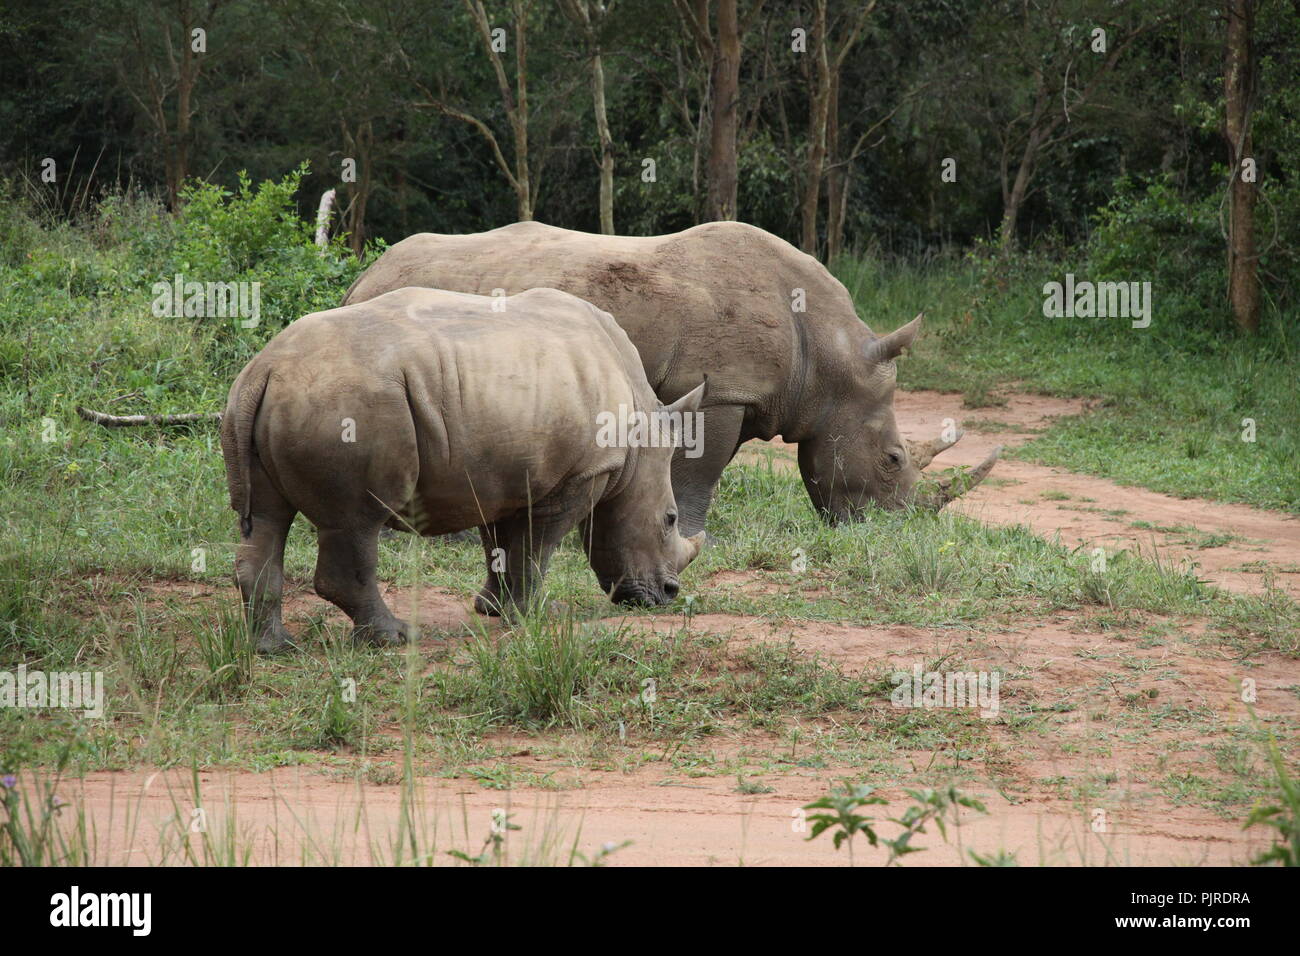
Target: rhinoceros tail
237, 442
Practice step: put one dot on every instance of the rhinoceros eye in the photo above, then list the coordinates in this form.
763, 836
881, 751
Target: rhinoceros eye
670, 519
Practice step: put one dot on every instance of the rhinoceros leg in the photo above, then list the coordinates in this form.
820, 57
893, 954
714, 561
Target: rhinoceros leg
346, 567
488, 599
259, 563
517, 552
695, 479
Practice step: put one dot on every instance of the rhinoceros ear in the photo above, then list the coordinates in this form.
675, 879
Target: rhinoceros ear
889, 347
690, 402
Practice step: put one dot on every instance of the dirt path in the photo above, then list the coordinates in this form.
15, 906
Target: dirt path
1144, 725
293, 817
1230, 545
1091, 720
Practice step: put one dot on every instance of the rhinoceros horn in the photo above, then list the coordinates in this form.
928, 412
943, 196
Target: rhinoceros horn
923, 452
886, 348
696, 544
955, 482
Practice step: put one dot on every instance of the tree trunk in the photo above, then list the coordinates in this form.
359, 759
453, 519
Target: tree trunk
185, 81
514, 100
606, 146
519, 118
836, 176
1238, 87
816, 131
1016, 198
323, 218
726, 103
1013, 200
360, 145
590, 17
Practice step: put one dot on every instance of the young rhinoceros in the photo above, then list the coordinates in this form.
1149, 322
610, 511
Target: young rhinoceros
435, 412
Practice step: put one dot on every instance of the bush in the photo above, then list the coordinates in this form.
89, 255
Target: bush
1154, 234
19, 231
220, 232
255, 235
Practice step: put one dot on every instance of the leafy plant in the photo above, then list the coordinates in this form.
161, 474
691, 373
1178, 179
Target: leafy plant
841, 804
254, 234
1284, 817
493, 851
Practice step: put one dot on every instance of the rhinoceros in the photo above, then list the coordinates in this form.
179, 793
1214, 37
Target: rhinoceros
777, 335
433, 412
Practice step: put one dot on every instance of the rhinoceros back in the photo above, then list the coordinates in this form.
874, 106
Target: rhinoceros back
465, 410
719, 298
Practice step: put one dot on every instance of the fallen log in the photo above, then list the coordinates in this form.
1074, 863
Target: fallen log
126, 421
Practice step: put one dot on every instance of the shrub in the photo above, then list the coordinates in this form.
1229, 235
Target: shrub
1155, 234
254, 234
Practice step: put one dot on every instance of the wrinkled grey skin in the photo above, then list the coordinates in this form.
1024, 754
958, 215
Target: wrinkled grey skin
717, 300
461, 417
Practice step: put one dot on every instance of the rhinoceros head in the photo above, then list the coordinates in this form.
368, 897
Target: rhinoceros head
857, 457
632, 538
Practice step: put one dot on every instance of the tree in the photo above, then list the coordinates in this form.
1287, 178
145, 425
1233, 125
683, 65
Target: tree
1050, 45
1239, 72
355, 97
162, 48
722, 50
839, 168
514, 100
589, 15
726, 107
828, 59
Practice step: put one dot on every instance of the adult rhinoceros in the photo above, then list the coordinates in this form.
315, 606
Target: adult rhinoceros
774, 332
433, 412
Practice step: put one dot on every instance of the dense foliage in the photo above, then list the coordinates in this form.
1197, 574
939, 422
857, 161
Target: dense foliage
110, 92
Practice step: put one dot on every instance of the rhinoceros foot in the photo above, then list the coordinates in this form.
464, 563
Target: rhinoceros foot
487, 602
274, 639
385, 634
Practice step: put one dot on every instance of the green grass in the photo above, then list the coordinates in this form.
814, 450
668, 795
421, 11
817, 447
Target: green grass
182, 686
92, 550
1172, 406
118, 546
